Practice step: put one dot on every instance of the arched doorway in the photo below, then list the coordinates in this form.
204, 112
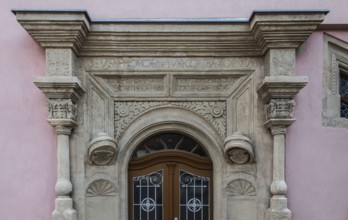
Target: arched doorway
170, 177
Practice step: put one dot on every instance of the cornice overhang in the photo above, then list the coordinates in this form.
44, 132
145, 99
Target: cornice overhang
170, 37
56, 29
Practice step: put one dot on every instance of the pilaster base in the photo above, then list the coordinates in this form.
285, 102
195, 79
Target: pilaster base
278, 209
64, 209
284, 214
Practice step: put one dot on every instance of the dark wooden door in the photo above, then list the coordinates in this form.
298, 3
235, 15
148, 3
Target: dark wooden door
170, 185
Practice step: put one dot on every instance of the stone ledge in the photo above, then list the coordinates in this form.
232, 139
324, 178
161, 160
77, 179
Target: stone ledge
60, 87
281, 87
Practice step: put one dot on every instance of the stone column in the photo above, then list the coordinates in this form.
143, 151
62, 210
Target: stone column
279, 117
63, 204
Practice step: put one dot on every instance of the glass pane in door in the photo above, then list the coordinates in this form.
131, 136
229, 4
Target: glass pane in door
148, 196
194, 197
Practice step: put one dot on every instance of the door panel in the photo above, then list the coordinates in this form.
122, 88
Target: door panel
170, 185
148, 196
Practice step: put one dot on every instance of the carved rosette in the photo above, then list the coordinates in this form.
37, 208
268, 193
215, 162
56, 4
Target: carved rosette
238, 149
102, 150
127, 112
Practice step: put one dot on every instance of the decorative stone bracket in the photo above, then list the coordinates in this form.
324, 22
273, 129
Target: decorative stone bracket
102, 150
238, 149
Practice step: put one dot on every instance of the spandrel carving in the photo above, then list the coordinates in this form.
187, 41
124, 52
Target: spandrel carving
127, 112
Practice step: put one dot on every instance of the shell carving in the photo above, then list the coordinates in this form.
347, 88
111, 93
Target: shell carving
241, 187
101, 188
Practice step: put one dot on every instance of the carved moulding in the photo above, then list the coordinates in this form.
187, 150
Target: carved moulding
102, 150
238, 149
127, 112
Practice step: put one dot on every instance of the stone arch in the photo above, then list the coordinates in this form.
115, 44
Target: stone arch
171, 119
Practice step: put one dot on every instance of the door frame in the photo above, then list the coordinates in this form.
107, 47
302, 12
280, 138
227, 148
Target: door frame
173, 160
176, 120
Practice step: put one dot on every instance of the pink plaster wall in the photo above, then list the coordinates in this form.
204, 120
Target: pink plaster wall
316, 157
316, 166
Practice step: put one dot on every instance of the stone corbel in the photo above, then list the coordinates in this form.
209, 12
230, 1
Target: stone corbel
277, 92
238, 149
102, 150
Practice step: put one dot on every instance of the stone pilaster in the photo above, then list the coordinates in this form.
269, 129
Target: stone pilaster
278, 90
279, 115
63, 205
63, 91
63, 94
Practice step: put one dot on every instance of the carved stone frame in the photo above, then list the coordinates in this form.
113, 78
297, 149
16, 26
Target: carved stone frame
228, 62
335, 60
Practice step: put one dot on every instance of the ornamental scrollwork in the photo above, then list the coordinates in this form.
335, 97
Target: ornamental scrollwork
127, 112
280, 109
62, 109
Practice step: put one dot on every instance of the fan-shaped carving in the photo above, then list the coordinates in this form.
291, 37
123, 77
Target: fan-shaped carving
241, 187
101, 188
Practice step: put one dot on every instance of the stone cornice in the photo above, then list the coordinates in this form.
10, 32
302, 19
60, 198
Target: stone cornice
284, 29
56, 29
220, 37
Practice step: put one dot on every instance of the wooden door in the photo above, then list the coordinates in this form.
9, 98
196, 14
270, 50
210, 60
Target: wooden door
170, 185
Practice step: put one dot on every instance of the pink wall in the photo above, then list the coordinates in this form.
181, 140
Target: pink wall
316, 156
316, 166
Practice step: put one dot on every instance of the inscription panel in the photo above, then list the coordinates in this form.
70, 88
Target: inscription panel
133, 84
207, 84
161, 64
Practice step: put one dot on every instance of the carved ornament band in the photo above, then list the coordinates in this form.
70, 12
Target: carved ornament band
280, 108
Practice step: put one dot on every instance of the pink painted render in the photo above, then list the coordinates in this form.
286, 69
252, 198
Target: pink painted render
316, 160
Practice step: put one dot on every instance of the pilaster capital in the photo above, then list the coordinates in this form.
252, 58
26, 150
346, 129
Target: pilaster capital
280, 109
